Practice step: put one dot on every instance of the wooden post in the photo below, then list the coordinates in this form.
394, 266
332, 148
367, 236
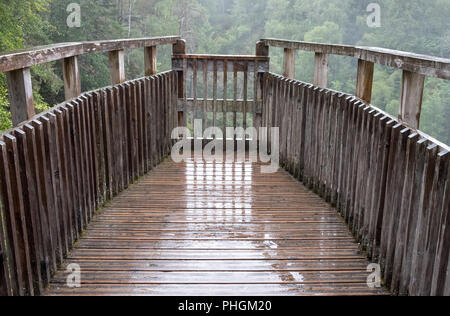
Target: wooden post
411, 99
117, 67
150, 61
289, 63
364, 80
321, 70
179, 48
20, 93
71, 74
261, 50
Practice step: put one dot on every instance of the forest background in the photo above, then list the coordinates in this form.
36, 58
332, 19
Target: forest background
233, 27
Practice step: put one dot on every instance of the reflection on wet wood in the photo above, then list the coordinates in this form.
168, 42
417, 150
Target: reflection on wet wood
204, 228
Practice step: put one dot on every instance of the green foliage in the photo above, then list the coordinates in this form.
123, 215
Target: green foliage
5, 114
233, 27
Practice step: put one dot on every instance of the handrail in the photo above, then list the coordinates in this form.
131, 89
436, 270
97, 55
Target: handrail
17, 67
59, 168
10, 61
389, 182
414, 66
426, 65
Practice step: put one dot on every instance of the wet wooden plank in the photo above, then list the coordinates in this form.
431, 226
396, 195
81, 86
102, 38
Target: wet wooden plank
249, 233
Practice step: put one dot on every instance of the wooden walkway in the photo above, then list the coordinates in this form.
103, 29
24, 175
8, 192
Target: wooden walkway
201, 228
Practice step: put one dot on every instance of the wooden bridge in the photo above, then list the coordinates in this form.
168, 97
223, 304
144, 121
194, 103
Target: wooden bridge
90, 183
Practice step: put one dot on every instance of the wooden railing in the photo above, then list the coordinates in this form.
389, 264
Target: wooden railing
17, 67
212, 87
59, 168
390, 183
415, 68
197, 105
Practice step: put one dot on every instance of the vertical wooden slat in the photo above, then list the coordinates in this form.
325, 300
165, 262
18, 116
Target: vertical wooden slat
42, 166
205, 94
132, 128
434, 222
63, 180
422, 219
75, 165
79, 154
15, 219
72, 198
402, 238
5, 281
93, 130
106, 117
144, 127
225, 98
53, 185
9, 224
121, 129
154, 137
245, 97
99, 148
30, 204
215, 94
84, 133
36, 211
195, 87
440, 274
235, 88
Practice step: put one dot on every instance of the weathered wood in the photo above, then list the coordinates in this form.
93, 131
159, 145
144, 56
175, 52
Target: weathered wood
321, 70
390, 180
16, 222
440, 276
240, 62
411, 98
71, 75
5, 281
310, 239
364, 80
30, 205
150, 61
46, 198
8, 261
39, 55
421, 64
289, 63
117, 66
20, 94
57, 171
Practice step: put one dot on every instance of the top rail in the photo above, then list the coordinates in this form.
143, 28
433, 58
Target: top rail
415, 68
426, 65
10, 61
17, 67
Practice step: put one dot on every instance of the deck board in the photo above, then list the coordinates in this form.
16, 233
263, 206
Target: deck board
203, 228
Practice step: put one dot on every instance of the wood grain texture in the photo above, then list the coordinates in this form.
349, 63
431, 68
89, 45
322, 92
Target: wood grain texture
205, 228
421, 64
38, 55
60, 168
387, 180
